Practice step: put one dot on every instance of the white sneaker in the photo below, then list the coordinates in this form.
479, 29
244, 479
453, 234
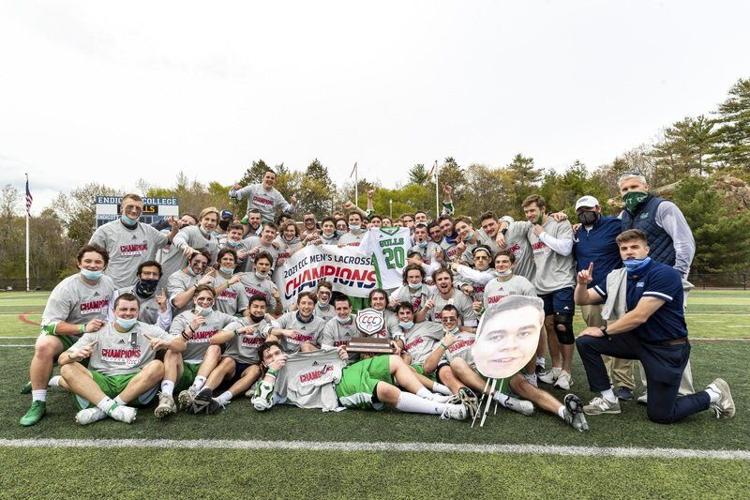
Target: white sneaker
454, 412
441, 398
519, 406
643, 399
123, 414
531, 379
724, 407
90, 415
549, 376
564, 381
166, 406
185, 398
599, 406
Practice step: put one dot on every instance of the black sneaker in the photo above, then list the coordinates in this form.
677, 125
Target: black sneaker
202, 401
574, 413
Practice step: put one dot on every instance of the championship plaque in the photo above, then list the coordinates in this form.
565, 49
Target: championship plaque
369, 323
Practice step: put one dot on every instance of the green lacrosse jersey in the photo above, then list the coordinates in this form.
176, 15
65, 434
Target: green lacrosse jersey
387, 247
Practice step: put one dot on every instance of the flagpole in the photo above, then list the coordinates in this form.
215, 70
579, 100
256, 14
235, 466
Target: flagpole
437, 190
356, 185
27, 239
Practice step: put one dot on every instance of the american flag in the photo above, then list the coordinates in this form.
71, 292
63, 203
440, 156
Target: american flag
29, 198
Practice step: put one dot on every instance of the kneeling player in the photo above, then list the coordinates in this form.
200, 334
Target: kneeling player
367, 384
240, 365
121, 369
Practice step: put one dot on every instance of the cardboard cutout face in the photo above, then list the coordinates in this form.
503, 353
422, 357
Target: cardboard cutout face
507, 336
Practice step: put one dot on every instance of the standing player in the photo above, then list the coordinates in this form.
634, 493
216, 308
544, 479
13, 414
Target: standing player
356, 231
259, 282
264, 197
129, 242
262, 244
77, 305
182, 285
122, 365
413, 291
201, 237
323, 307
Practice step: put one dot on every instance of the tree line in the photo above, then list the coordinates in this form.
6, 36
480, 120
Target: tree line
701, 163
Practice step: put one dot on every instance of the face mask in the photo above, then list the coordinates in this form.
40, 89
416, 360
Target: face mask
633, 199
469, 236
128, 221
224, 224
233, 243
260, 275
635, 265
146, 288
588, 218
127, 324
91, 275
453, 331
203, 311
343, 321
507, 272
190, 272
414, 287
256, 319
423, 245
406, 325
354, 227
226, 270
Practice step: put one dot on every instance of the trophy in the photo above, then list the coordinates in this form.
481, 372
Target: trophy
370, 324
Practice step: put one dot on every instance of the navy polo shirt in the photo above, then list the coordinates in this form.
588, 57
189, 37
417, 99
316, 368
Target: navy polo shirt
598, 245
665, 283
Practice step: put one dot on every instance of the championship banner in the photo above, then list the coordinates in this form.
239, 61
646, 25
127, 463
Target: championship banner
350, 272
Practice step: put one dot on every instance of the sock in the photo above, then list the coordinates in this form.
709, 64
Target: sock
561, 412
441, 389
198, 382
500, 397
609, 395
225, 397
105, 405
540, 361
167, 387
39, 395
713, 394
423, 393
556, 371
120, 402
54, 381
412, 403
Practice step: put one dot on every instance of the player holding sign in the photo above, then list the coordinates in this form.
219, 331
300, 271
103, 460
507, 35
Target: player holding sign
388, 247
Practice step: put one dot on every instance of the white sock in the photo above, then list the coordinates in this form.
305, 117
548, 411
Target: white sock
556, 371
609, 395
120, 402
198, 382
39, 395
105, 404
441, 389
715, 396
500, 397
225, 397
412, 403
167, 387
54, 381
561, 412
424, 393
541, 361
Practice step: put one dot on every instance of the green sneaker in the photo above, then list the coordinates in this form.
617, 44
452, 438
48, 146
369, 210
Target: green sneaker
35, 413
26, 389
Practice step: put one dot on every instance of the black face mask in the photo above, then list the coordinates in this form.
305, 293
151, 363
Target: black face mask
224, 224
256, 319
146, 288
588, 218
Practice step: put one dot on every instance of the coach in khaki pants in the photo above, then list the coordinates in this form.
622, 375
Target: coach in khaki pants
620, 371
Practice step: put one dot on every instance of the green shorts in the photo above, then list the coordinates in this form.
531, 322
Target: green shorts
420, 369
67, 341
189, 371
113, 385
358, 382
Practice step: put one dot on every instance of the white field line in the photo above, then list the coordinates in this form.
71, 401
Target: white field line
16, 345
10, 337
342, 446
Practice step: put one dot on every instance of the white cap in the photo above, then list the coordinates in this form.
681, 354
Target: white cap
587, 201
507, 218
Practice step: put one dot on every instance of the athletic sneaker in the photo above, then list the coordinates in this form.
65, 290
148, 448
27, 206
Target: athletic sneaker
467, 397
642, 399
123, 413
203, 402
531, 379
564, 381
550, 376
624, 393
599, 406
166, 406
26, 389
35, 413
185, 398
455, 412
724, 407
90, 415
574, 413
441, 398
519, 406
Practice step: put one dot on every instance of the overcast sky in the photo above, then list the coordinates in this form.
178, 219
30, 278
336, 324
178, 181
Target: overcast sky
114, 92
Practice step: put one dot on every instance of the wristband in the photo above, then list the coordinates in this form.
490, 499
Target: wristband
81, 328
604, 332
185, 336
271, 372
445, 347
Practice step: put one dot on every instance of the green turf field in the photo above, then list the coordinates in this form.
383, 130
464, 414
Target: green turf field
149, 472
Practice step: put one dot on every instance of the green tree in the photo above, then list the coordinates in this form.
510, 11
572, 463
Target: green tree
525, 179
685, 149
733, 133
418, 174
254, 174
78, 210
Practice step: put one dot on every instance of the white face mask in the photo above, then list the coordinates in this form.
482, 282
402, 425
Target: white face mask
507, 272
415, 286
343, 321
354, 227
202, 311
260, 275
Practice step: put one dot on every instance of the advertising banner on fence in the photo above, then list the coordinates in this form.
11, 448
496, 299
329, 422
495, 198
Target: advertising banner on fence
350, 272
